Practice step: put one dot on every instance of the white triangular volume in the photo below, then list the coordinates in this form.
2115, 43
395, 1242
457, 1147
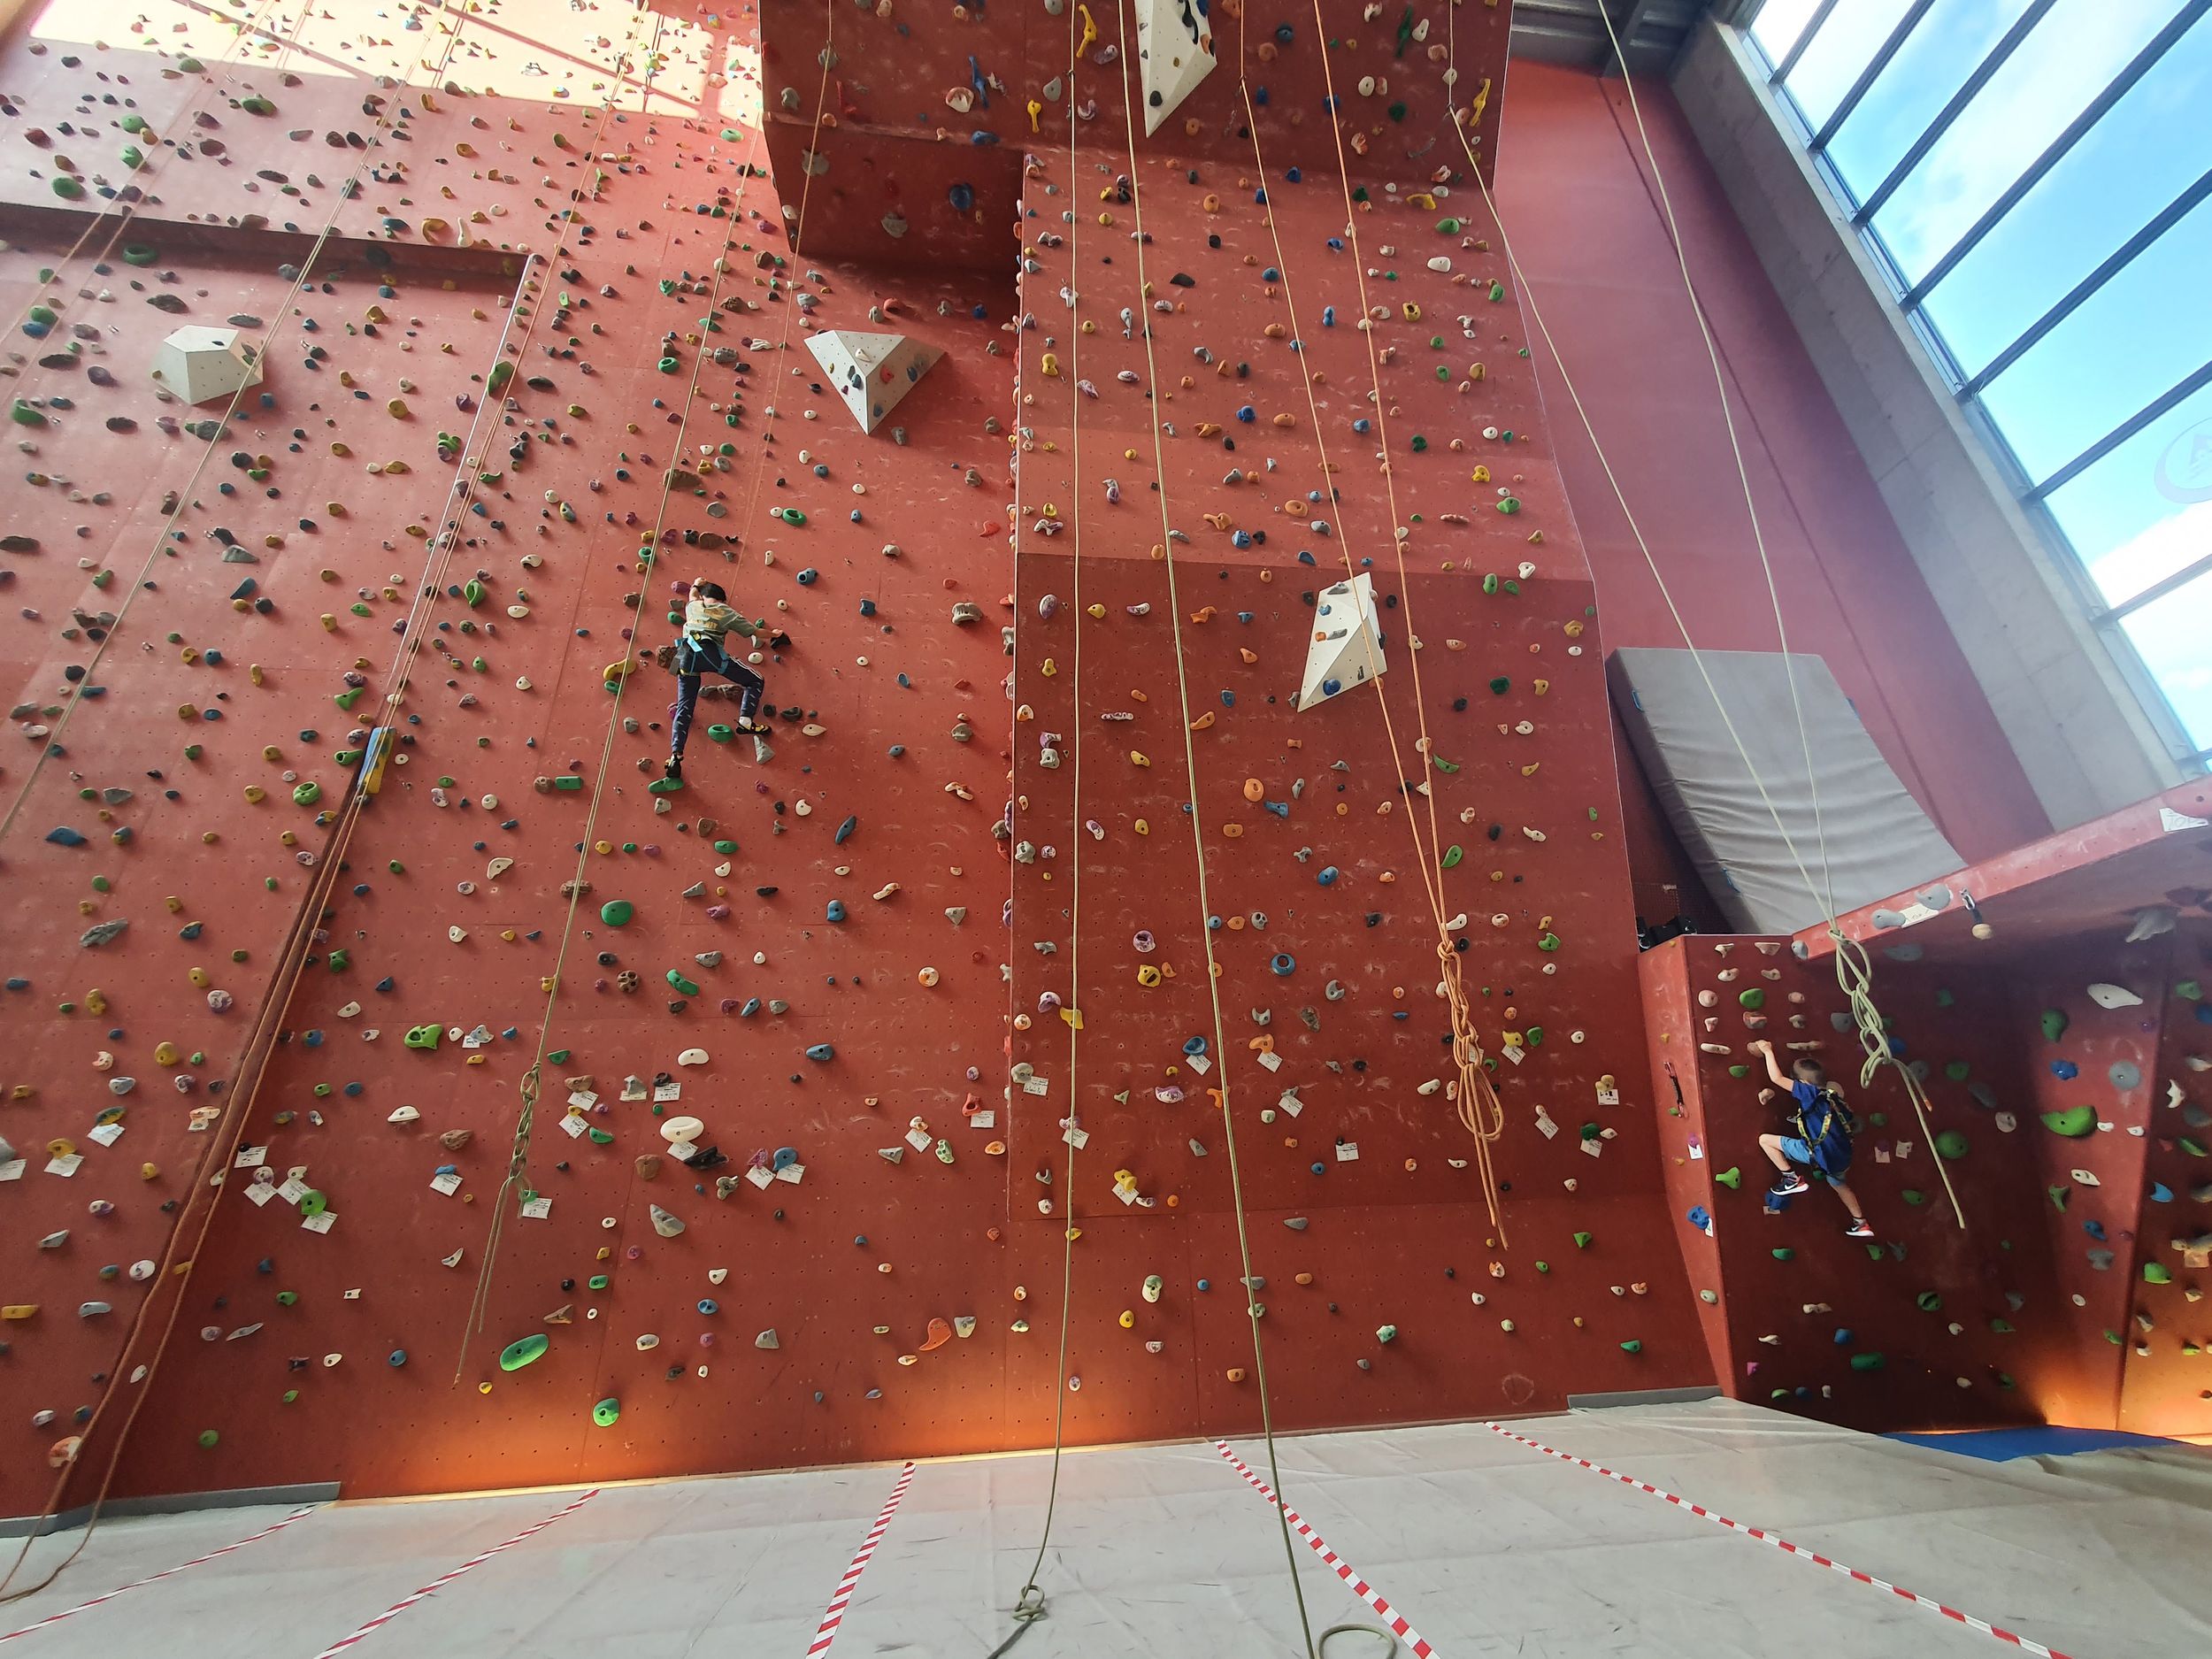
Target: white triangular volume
1347, 645
200, 364
1175, 51
871, 372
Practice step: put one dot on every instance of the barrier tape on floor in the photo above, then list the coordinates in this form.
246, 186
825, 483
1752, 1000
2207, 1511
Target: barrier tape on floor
835, 1614
1343, 1569
444, 1578
1788, 1548
56, 1618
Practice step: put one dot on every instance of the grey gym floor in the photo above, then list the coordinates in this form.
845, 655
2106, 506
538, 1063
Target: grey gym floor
1165, 1553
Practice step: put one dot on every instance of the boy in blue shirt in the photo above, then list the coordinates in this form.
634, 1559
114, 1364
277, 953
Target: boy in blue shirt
1820, 1139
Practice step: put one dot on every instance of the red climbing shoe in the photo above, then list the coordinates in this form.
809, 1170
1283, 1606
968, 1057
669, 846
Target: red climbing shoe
1858, 1229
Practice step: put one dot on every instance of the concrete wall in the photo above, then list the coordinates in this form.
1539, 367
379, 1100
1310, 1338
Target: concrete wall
2065, 704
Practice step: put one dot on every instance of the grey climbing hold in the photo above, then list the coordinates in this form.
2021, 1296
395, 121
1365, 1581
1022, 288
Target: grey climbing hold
957, 914
102, 932
767, 1338
667, 1226
1296, 1223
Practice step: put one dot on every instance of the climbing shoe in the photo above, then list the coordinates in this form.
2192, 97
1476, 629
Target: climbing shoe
753, 728
1785, 1184
673, 767
1858, 1229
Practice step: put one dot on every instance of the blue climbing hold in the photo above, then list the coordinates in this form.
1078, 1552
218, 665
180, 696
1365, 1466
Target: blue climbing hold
1194, 1045
821, 1051
707, 1304
785, 1156
846, 829
1283, 963
1327, 877
61, 836
836, 909
808, 577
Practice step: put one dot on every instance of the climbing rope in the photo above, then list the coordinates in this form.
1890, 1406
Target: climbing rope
518, 1165
1856, 979
1223, 1094
261, 1040
124, 211
1474, 1096
1030, 1605
77, 692
206, 1184
1854, 972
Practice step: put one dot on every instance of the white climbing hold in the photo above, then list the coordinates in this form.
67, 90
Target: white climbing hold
200, 365
2114, 996
1175, 51
871, 371
692, 1056
1346, 648
767, 1338
682, 1129
405, 1115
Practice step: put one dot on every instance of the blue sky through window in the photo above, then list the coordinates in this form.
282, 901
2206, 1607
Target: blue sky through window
2141, 514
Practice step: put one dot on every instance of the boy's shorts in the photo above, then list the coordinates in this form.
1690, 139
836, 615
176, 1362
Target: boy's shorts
1797, 1152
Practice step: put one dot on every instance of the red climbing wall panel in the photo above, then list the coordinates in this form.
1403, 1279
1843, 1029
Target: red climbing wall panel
1964, 1327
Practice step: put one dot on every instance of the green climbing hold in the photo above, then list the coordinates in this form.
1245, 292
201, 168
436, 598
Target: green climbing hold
1732, 1179
1783, 1253
1452, 855
617, 912
664, 786
2156, 1273
1752, 998
2190, 991
2053, 1024
726, 847
1866, 1362
1634, 1345
68, 189
1582, 1240
1950, 1143
684, 987
1740, 1071
1548, 941
2073, 1123
472, 592
1930, 1301
1500, 685
607, 1413
1914, 1196
423, 1036
515, 1356
25, 415
1956, 1071
307, 794
208, 1437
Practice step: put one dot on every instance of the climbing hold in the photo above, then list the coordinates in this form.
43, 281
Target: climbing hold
2073, 1123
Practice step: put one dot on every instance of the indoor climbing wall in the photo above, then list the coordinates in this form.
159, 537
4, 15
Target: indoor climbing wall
2060, 1054
2164, 1386
1925, 1324
527, 1116
1176, 595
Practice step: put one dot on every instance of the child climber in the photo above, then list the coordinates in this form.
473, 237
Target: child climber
1822, 1126
703, 648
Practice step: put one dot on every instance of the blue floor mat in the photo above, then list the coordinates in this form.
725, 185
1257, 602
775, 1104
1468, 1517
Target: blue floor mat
1998, 1446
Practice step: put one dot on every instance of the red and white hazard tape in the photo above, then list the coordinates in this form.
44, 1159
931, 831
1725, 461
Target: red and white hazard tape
835, 1614
56, 1618
1788, 1548
1360, 1588
444, 1578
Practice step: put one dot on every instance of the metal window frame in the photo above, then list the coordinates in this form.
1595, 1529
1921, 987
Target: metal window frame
2144, 61
1871, 73
2117, 261
2105, 618
1941, 123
